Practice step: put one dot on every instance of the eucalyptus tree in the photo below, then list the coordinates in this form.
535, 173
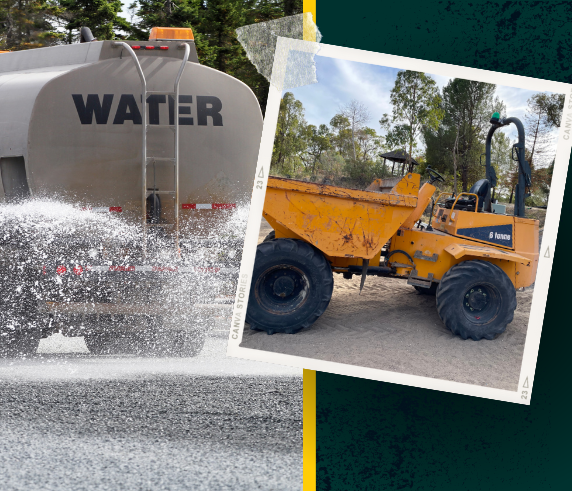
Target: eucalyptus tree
290, 138
416, 105
357, 115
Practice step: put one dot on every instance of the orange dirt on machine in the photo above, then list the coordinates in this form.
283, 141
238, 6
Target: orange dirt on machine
471, 259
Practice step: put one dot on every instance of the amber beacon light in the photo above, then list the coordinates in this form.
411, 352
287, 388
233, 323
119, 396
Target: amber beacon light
171, 34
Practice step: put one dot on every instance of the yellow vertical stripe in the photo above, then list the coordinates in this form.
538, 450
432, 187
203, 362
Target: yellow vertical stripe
309, 429
309, 29
310, 6
309, 397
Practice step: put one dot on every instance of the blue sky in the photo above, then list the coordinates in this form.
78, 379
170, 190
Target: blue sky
340, 81
125, 11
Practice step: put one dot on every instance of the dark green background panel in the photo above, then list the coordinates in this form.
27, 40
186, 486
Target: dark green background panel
374, 435
524, 38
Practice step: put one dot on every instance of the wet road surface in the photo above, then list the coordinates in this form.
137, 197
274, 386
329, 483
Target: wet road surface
70, 420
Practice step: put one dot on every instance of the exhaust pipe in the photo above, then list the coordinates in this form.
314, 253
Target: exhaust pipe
85, 35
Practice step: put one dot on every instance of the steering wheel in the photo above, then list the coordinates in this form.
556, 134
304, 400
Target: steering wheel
435, 176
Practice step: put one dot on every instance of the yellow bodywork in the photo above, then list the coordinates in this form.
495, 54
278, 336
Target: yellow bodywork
351, 226
342, 223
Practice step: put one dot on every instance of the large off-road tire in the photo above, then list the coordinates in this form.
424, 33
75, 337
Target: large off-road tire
292, 285
476, 299
20, 321
270, 236
432, 290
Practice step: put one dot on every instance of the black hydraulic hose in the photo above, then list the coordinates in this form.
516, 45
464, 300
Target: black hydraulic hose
492, 130
524, 168
402, 252
518, 123
429, 227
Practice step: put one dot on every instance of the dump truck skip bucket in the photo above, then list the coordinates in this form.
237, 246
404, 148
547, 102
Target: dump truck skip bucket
340, 222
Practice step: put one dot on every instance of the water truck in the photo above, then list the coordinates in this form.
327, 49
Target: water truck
143, 134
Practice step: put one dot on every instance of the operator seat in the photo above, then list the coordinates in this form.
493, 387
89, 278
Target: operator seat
481, 188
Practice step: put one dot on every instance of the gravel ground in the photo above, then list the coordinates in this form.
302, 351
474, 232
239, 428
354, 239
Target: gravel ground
392, 327
73, 421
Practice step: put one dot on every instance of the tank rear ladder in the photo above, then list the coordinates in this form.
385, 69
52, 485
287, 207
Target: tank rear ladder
173, 98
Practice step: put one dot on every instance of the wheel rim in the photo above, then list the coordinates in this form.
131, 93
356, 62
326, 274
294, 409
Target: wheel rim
481, 303
282, 289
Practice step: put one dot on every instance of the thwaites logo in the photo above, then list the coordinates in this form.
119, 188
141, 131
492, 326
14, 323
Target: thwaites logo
498, 234
92, 107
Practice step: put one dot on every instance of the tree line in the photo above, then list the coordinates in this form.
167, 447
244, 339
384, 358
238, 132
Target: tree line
444, 129
29, 24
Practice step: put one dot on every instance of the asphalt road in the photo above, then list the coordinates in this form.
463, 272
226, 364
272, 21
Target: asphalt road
73, 421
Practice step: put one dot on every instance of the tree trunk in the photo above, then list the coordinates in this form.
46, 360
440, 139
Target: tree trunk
353, 142
455, 147
465, 176
534, 139
289, 8
9, 23
409, 163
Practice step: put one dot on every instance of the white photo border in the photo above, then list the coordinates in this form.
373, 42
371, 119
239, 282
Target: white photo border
547, 249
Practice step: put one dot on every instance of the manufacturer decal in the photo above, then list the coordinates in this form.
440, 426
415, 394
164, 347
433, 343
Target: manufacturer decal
497, 234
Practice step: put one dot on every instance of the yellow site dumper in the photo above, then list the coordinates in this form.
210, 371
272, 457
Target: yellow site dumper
473, 260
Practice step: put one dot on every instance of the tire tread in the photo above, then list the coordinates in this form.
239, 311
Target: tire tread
300, 248
448, 308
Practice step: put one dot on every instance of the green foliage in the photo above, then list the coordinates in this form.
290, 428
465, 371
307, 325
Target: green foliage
342, 134
468, 106
369, 144
459, 143
101, 16
439, 147
214, 24
416, 105
399, 137
542, 114
317, 144
543, 179
325, 153
552, 105
155, 13
27, 24
506, 169
361, 173
290, 138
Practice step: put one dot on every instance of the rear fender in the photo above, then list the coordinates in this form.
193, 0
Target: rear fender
459, 251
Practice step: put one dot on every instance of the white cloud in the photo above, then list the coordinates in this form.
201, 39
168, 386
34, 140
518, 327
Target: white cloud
340, 81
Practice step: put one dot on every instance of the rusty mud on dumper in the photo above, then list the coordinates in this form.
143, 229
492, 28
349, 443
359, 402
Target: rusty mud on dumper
470, 258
